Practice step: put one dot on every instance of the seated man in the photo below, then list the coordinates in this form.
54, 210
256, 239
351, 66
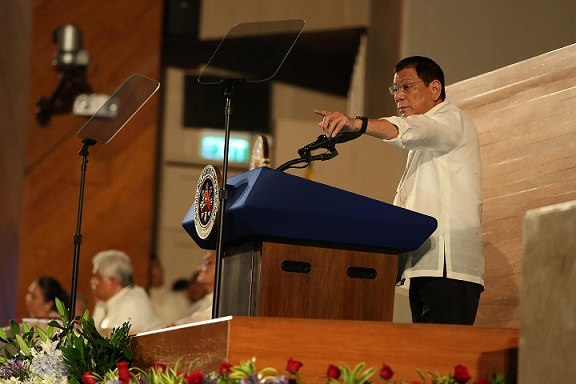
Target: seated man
202, 308
118, 299
169, 305
195, 290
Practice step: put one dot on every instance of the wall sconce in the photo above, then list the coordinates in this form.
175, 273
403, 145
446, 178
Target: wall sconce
72, 94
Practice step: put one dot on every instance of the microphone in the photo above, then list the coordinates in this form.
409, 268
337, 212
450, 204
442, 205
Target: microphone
328, 142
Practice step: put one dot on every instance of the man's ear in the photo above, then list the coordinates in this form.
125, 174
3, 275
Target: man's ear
436, 89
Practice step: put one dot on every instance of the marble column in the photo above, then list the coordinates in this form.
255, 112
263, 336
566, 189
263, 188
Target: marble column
548, 296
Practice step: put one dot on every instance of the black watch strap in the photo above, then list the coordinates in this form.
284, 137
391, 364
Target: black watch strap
364, 124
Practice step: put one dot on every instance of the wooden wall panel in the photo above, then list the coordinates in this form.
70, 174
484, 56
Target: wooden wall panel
121, 38
16, 21
525, 114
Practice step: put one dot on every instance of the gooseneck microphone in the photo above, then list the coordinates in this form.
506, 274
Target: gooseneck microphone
323, 142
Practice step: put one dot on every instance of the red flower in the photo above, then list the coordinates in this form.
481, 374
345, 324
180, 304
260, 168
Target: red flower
87, 378
333, 372
159, 367
224, 369
123, 372
386, 372
461, 374
293, 366
195, 377
483, 381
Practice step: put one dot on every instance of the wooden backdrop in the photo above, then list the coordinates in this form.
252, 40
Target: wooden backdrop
526, 117
121, 38
16, 21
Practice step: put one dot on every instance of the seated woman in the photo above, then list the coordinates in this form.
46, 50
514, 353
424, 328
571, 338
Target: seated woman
41, 298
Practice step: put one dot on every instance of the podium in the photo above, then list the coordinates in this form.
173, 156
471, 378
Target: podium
293, 247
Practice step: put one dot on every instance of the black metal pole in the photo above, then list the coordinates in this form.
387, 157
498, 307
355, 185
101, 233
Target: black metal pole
78, 235
223, 195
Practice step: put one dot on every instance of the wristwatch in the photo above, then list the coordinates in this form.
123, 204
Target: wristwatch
364, 124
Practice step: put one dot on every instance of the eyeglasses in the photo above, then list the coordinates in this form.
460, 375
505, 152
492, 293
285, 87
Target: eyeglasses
94, 281
404, 87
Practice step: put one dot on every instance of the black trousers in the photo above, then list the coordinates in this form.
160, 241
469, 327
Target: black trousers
444, 301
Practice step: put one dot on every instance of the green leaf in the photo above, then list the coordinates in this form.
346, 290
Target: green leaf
42, 334
366, 375
357, 369
14, 328
23, 346
127, 352
62, 311
421, 374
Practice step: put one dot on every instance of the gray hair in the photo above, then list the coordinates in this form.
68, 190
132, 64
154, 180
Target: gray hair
114, 263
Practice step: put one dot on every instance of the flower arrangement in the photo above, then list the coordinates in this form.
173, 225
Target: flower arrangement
61, 353
74, 352
246, 373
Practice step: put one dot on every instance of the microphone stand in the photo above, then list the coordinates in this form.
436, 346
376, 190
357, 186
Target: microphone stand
242, 38
230, 85
321, 142
78, 235
307, 159
131, 96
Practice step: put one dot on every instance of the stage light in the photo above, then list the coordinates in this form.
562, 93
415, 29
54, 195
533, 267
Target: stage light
72, 94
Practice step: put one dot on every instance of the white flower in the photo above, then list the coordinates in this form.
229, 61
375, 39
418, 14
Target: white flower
48, 364
11, 380
50, 380
47, 347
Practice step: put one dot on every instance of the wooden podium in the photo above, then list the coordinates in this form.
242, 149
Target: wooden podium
297, 248
286, 280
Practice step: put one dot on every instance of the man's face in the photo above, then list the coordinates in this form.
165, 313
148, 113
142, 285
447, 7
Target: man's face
103, 287
156, 274
413, 97
207, 271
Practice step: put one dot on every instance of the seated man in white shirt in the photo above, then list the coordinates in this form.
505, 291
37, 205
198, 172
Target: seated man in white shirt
169, 304
118, 299
202, 308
